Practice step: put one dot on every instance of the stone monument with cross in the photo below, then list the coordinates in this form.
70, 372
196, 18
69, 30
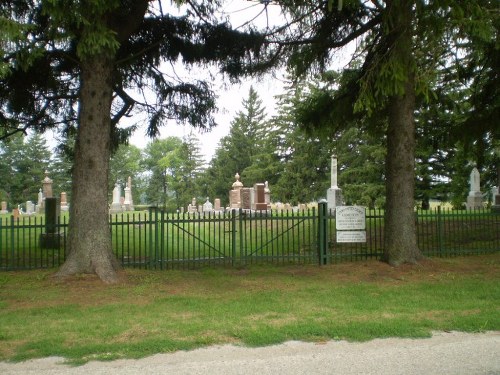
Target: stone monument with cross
334, 193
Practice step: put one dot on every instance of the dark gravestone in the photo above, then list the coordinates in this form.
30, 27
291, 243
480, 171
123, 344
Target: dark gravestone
496, 206
260, 197
51, 238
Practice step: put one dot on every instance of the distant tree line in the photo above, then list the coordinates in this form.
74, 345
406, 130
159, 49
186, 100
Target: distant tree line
169, 172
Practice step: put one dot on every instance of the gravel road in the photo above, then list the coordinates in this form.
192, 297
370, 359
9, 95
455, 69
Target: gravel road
444, 354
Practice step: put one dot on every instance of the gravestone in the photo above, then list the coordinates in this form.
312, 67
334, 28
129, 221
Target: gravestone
39, 205
116, 206
496, 197
260, 197
334, 193
475, 197
234, 199
4, 208
64, 202
16, 213
246, 198
30, 208
128, 201
192, 207
51, 238
235, 193
267, 195
217, 206
208, 206
47, 186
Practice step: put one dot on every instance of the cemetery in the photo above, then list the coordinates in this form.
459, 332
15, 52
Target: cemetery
378, 144
252, 229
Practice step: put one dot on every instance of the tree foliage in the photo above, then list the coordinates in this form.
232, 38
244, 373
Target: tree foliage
23, 162
76, 63
242, 151
400, 44
126, 162
173, 168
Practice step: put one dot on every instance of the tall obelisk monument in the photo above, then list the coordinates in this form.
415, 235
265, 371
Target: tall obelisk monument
334, 193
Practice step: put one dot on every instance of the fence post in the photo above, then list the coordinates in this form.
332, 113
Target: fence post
12, 240
440, 231
152, 227
322, 231
242, 247
233, 236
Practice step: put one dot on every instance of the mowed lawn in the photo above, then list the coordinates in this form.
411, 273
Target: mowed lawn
150, 312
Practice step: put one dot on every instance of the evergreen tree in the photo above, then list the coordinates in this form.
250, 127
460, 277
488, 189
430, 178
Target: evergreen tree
403, 42
361, 166
188, 185
60, 173
239, 150
305, 152
9, 154
304, 160
25, 161
73, 63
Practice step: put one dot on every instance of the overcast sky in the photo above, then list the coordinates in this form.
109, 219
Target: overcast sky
230, 97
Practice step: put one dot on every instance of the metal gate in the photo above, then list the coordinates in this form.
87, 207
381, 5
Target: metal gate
232, 237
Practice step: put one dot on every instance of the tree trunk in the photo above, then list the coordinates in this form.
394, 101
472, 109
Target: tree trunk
400, 238
89, 238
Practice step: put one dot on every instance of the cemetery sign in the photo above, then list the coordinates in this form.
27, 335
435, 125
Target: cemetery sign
350, 222
350, 218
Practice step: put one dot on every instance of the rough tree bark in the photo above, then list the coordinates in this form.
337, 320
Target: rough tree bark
400, 239
89, 238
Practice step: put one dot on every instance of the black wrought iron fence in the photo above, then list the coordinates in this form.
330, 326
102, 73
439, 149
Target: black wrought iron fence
157, 239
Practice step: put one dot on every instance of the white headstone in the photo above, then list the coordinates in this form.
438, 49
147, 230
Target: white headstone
40, 204
192, 207
30, 208
475, 197
474, 182
207, 206
116, 204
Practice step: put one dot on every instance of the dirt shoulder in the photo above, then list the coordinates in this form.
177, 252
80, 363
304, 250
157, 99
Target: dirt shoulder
445, 353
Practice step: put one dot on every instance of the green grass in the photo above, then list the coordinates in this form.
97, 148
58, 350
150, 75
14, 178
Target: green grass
157, 311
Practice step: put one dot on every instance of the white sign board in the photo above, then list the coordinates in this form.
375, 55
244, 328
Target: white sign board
350, 218
351, 236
